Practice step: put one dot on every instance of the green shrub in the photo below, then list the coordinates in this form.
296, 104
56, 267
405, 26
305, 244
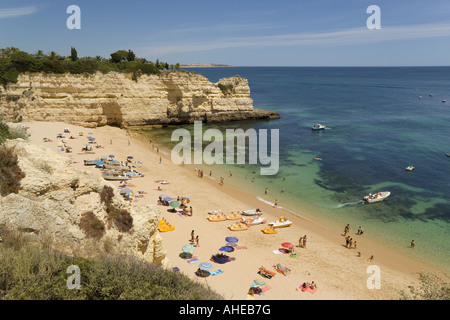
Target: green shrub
122, 219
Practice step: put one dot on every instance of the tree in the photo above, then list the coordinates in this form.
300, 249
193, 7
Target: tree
119, 56
131, 56
73, 54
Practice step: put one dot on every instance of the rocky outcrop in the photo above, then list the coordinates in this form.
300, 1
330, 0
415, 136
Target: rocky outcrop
116, 99
54, 195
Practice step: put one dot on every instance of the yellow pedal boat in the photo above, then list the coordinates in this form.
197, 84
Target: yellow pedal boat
238, 226
217, 217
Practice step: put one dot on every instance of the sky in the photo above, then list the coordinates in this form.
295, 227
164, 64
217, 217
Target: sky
238, 33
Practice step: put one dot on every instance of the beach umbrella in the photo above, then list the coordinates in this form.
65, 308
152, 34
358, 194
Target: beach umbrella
205, 266
259, 282
287, 245
129, 194
99, 163
90, 133
125, 190
231, 239
129, 157
188, 248
227, 249
174, 204
162, 196
111, 156
167, 199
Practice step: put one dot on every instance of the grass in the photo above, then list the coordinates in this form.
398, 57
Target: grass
34, 271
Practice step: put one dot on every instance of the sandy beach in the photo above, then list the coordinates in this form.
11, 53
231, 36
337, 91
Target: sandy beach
338, 271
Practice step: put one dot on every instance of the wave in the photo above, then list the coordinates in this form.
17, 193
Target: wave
279, 207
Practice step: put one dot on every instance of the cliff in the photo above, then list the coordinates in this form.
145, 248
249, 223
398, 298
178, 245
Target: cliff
116, 99
54, 196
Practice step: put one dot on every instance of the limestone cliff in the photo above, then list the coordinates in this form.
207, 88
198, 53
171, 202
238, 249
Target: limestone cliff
54, 195
116, 99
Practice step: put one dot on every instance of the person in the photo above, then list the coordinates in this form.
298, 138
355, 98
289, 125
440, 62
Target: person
275, 204
313, 285
350, 243
282, 189
191, 211
197, 242
265, 192
346, 229
354, 245
300, 242
347, 240
160, 159
253, 179
370, 259
359, 254
412, 244
304, 241
192, 236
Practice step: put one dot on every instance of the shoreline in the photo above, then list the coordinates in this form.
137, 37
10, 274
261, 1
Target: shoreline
336, 269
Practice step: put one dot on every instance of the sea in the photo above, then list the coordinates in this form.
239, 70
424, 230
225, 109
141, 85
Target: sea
379, 121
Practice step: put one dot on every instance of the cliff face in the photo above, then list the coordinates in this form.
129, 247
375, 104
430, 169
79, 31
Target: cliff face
116, 99
53, 197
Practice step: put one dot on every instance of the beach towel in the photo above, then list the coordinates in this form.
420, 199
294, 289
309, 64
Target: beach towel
192, 260
311, 290
276, 251
216, 272
241, 247
265, 288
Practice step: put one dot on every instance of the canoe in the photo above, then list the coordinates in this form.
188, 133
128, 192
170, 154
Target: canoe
380, 196
280, 223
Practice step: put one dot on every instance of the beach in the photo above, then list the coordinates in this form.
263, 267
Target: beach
338, 271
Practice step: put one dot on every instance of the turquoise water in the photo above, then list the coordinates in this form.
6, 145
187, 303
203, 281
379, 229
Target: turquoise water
377, 125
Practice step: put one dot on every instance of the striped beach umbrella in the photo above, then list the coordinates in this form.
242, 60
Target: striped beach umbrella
188, 248
205, 266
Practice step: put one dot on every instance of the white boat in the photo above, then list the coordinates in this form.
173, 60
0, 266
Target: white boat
214, 212
280, 223
319, 127
115, 165
254, 220
409, 168
380, 196
114, 176
133, 174
251, 212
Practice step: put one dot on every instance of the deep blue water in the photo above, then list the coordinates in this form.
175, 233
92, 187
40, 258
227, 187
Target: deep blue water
377, 125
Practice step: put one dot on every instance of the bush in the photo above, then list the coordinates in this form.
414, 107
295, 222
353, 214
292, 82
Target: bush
10, 172
91, 225
431, 287
122, 219
107, 194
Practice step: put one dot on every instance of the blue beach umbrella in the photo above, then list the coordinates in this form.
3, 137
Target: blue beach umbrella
90, 133
227, 249
91, 139
231, 239
205, 266
162, 196
111, 156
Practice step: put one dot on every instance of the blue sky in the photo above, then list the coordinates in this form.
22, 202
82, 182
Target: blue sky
240, 33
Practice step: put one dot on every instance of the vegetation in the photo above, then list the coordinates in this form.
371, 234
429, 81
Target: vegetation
226, 89
10, 172
34, 271
91, 225
122, 219
15, 61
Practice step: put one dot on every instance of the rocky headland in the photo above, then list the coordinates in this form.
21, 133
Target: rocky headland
119, 99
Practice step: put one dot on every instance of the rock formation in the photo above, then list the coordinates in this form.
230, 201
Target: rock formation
54, 195
115, 99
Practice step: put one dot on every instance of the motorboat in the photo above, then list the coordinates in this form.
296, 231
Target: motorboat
90, 162
280, 223
318, 127
214, 211
448, 154
253, 220
380, 196
134, 174
111, 175
251, 212
409, 168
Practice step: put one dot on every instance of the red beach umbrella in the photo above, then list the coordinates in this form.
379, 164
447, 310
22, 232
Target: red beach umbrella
287, 245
